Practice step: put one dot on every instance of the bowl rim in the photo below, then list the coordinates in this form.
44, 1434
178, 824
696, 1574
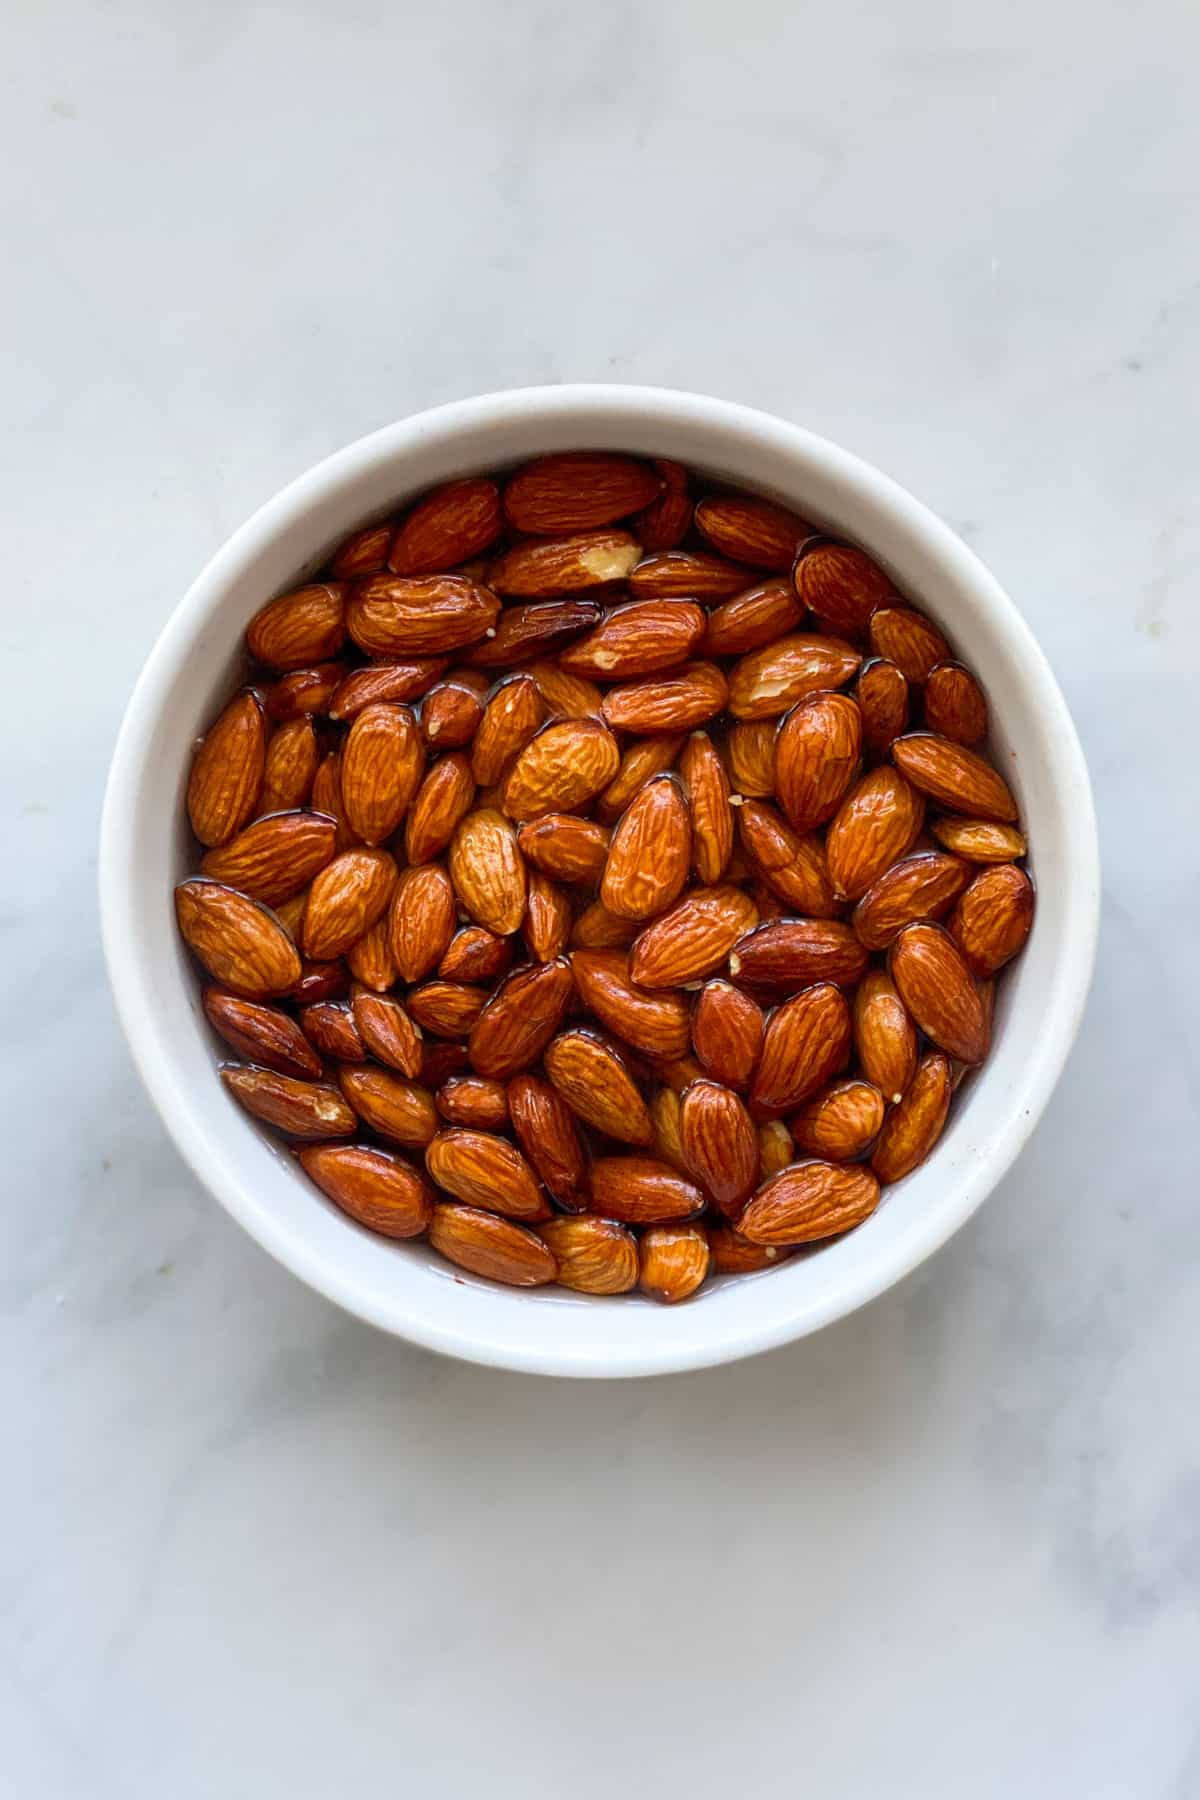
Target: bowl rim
133, 990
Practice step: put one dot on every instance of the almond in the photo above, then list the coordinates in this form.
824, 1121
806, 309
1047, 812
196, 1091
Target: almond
451, 714
450, 525
535, 629
275, 857
841, 585
441, 801
882, 695
750, 750
371, 960
655, 1023
751, 530
548, 919
637, 639
307, 626
490, 1246
520, 1019
594, 1256
446, 1008
376, 1188
344, 901
915, 1123
936, 987
955, 706
547, 1133
752, 619
770, 681
541, 567
291, 763
363, 552
719, 1143
707, 787
513, 714
388, 1032
484, 1171
567, 848
330, 1027
693, 939
262, 1034
841, 1122
567, 696
650, 851
598, 929
674, 1261
688, 575
993, 918
666, 1111
240, 942
565, 766
327, 798
441, 1061
399, 1110
596, 1084
879, 821
639, 764
810, 1200
979, 840
488, 872
775, 1148
290, 912
786, 954
681, 700
577, 490
421, 920
227, 771
920, 887
419, 615
727, 1033
302, 692
319, 981
732, 1254
386, 683
885, 1038
957, 778
383, 760
816, 757
473, 1101
639, 1190
664, 524
910, 640
806, 1042
300, 1109
475, 954
793, 866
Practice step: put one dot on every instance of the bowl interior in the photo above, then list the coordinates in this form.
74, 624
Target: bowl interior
404, 1287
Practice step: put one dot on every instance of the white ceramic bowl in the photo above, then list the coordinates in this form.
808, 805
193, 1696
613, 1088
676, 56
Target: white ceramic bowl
405, 1288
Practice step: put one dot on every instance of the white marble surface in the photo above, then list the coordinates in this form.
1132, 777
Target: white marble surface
249, 1547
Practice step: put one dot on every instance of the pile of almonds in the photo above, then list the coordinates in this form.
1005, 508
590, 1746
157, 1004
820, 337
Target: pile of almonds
576, 887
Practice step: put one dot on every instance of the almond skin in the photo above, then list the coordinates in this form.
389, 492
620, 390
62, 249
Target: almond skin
957, 778
707, 788
688, 575
483, 1170
538, 568
598, 929
227, 771
327, 798
399, 1110
419, 615
993, 918
594, 1256
564, 847
785, 954
749, 530
548, 918
693, 939
371, 960
639, 764
455, 522
535, 628
807, 1041
388, 683
300, 1109
885, 1038
979, 840
792, 865
421, 920
567, 696
955, 706
882, 695
275, 857
307, 626
577, 491
775, 1148
520, 1019
637, 640
363, 552
262, 1034
473, 1101
936, 986
597, 1086
752, 619
329, 1025
546, 1131
677, 701
319, 981
657, 1024
770, 681
383, 760
442, 800
451, 714
666, 1111
664, 524
446, 1008
816, 757
511, 717
441, 1061
291, 763
240, 942
732, 1254
475, 954
719, 1144
566, 765
638, 1190
650, 852
388, 1032
490, 1246
750, 752
375, 1187
919, 887
675, 1261
840, 1123
304, 692
811, 1200
914, 1125
344, 901
488, 871
910, 640
727, 1033
878, 822
841, 585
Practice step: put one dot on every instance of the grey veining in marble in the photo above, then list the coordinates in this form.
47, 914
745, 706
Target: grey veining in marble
249, 1547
